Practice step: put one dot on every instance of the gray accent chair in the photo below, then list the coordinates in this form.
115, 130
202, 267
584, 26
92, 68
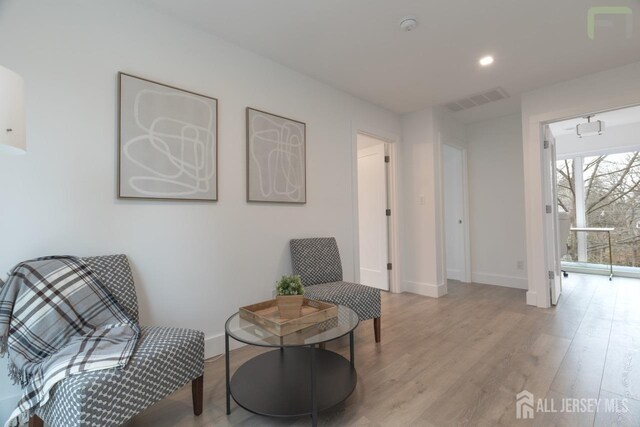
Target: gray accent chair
165, 359
317, 262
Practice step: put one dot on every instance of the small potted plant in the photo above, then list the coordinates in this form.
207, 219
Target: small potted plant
289, 291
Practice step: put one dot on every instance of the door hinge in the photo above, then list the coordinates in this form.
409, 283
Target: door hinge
546, 145
388, 212
389, 266
552, 275
548, 208
387, 159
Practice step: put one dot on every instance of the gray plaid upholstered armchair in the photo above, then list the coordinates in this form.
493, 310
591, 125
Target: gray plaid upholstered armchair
164, 360
317, 261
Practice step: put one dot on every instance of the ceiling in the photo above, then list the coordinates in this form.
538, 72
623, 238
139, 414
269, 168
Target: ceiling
357, 45
624, 116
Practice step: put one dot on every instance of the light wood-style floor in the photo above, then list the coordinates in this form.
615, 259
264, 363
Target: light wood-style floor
461, 359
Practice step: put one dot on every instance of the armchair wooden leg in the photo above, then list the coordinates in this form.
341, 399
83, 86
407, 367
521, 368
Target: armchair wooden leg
35, 421
197, 386
376, 328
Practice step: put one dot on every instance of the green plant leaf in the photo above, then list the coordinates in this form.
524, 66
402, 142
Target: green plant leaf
290, 285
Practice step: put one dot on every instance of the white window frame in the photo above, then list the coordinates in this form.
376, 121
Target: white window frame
581, 216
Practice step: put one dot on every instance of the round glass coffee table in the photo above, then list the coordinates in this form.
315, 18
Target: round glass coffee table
297, 378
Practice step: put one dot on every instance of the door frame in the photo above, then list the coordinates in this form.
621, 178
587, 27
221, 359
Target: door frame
551, 222
391, 141
538, 237
456, 144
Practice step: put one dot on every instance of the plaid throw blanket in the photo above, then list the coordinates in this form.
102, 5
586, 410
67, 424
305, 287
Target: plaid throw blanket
57, 319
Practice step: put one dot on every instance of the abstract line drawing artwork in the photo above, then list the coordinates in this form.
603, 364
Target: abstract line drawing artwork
276, 158
168, 142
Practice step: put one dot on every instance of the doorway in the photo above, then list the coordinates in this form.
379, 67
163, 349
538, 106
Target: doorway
455, 212
592, 178
373, 211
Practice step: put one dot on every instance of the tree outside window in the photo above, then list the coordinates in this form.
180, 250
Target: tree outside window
611, 189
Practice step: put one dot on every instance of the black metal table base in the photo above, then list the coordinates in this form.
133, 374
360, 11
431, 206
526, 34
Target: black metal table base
292, 381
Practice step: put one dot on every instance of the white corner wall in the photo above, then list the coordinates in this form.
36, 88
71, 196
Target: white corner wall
422, 227
607, 90
418, 229
496, 198
194, 263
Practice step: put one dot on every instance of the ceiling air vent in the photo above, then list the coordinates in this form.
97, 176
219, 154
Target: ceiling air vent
480, 99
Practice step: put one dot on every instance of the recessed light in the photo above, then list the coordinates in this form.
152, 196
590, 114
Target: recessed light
486, 60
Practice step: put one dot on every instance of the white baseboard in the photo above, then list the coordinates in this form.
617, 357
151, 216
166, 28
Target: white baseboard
532, 298
426, 289
499, 280
214, 345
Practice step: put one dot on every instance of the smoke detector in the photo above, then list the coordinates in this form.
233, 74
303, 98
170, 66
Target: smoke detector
590, 128
408, 24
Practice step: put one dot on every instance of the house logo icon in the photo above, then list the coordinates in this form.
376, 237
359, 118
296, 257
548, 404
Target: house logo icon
524, 405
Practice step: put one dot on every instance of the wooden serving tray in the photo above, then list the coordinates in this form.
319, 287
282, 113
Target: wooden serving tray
265, 314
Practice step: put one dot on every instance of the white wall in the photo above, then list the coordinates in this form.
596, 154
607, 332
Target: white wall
195, 263
422, 228
366, 141
607, 90
448, 128
496, 198
418, 197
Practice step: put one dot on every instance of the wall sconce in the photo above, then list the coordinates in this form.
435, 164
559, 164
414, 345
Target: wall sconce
12, 113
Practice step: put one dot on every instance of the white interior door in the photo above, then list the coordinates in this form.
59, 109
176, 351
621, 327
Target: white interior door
551, 217
453, 175
372, 206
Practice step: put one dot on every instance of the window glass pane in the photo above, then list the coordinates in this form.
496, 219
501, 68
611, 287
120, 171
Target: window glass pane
612, 199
